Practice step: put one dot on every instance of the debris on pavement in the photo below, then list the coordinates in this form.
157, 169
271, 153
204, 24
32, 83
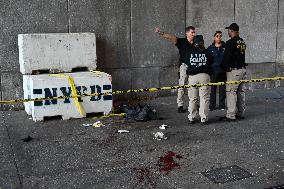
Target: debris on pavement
113, 115
139, 113
98, 124
28, 139
164, 127
159, 136
123, 131
87, 125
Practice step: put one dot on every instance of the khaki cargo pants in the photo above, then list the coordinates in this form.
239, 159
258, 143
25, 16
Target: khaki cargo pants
182, 81
203, 93
235, 94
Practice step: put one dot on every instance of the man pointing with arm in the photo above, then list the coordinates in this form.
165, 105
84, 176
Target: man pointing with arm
184, 45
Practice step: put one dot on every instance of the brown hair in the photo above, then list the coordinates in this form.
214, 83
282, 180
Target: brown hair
217, 33
187, 29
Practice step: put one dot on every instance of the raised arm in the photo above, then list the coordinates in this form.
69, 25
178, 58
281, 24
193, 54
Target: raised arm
167, 36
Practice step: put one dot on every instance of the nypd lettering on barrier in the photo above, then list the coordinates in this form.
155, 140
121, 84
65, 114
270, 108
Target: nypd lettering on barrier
198, 60
66, 91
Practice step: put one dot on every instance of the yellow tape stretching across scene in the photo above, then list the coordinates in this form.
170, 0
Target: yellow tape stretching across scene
74, 92
76, 96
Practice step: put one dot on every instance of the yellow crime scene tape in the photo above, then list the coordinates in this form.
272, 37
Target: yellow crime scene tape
76, 96
111, 115
73, 92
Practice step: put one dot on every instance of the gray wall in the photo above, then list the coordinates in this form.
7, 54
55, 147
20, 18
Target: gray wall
127, 46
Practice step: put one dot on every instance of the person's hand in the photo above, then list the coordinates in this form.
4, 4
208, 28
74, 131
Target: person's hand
157, 30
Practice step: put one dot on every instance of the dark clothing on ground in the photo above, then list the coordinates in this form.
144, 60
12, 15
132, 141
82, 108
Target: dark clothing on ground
198, 61
184, 46
234, 55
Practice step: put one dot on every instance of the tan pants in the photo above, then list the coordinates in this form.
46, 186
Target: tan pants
182, 81
203, 93
235, 94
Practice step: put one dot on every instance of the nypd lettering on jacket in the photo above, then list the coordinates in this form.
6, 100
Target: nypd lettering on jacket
198, 60
66, 91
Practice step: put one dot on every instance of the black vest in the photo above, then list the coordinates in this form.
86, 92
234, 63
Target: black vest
198, 61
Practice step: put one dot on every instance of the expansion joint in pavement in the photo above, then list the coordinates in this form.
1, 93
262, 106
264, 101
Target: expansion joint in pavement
13, 153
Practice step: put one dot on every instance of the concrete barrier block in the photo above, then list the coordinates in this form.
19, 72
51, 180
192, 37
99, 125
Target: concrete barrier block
27, 93
41, 86
60, 52
261, 34
209, 16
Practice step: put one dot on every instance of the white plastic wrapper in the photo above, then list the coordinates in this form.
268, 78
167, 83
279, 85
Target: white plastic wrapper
163, 127
159, 136
123, 131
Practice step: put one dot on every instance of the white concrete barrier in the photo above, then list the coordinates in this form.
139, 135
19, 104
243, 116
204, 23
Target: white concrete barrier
27, 93
41, 86
60, 52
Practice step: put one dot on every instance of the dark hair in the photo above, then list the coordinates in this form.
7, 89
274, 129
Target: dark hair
217, 33
187, 29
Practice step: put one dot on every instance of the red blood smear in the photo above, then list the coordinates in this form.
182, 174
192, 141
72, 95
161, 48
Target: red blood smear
145, 175
167, 163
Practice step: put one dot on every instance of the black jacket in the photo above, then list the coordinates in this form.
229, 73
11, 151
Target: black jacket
199, 61
218, 53
234, 55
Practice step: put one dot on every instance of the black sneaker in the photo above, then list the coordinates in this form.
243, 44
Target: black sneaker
240, 117
205, 123
226, 119
181, 110
191, 122
222, 108
213, 108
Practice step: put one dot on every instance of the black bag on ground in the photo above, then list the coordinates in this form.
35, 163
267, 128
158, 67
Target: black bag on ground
140, 113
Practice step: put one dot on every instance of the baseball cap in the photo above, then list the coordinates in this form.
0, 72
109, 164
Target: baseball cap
198, 39
233, 26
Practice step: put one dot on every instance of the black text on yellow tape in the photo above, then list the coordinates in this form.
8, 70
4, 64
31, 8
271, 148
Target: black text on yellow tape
142, 90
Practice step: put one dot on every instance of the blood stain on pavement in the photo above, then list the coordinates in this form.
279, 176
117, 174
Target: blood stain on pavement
145, 175
167, 162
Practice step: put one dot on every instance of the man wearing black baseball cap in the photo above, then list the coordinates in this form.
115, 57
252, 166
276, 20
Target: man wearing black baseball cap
235, 66
233, 27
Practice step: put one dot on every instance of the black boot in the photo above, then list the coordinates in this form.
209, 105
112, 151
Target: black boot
181, 110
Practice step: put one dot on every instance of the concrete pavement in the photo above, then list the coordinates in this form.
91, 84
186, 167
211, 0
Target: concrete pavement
64, 154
